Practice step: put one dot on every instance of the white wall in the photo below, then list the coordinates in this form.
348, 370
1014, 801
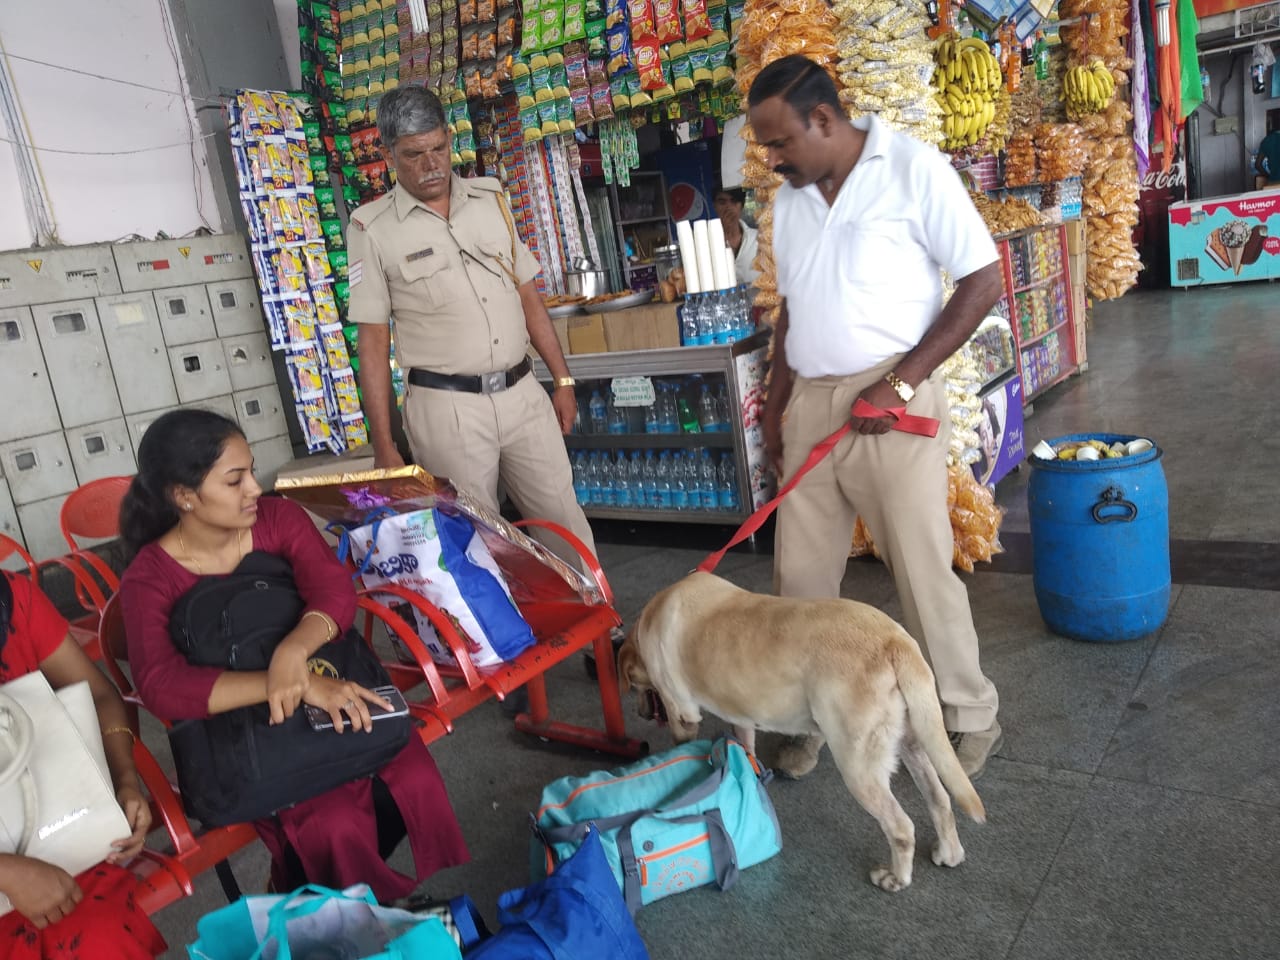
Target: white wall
102, 198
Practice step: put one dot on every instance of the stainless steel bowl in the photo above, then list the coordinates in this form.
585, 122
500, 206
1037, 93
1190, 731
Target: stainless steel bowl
586, 283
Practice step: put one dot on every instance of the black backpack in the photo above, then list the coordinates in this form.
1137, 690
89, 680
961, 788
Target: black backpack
234, 766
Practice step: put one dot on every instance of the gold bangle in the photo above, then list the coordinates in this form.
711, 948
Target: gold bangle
565, 382
330, 628
110, 730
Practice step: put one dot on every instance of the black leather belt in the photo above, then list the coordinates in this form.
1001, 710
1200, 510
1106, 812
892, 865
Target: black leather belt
471, 383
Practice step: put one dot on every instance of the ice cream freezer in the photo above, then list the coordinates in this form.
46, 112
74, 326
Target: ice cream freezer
1225, 239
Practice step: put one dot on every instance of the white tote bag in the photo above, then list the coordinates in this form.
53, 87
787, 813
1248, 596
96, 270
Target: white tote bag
56, 799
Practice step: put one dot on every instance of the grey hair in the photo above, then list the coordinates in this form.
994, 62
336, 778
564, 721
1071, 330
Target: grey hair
407, 111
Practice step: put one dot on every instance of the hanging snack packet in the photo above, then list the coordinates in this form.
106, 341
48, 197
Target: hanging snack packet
489, 82
649, 64
531, 40
642, 25
635, 90
541, 72
575, 65
699, 61
552, 23
597, 46
469, 50
575, 20
486, 11
550, 118
666, 15
471, 79
506, 28
350, 197
618, 92
559, 76
697, 23
529, 123
326, 202
620, 49
466, 12
681, 68
718, 55
565, 115
602, 102
487, 42
522, 79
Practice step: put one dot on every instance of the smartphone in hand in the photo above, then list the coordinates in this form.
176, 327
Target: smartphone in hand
320, 719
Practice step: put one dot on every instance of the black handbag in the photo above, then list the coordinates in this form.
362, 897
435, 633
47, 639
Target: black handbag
235, 766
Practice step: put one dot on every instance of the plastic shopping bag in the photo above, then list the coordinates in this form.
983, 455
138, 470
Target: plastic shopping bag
315, 921
441, 557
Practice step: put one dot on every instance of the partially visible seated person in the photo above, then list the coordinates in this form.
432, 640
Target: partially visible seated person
57, 916
194, 510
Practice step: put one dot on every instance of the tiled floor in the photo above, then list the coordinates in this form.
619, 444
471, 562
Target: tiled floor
1134, 807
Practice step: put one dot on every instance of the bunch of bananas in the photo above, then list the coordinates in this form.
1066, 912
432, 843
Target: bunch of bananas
965, 81
1088, 89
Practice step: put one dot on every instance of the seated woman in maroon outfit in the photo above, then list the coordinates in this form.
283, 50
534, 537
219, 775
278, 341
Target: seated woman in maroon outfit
56, 916
194, 511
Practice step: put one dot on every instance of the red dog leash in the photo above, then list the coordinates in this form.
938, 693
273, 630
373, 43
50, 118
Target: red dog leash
906, 422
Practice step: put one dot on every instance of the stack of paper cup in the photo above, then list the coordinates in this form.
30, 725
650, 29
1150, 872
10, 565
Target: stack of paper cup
715, 240
701, 243
688, 257
730, 267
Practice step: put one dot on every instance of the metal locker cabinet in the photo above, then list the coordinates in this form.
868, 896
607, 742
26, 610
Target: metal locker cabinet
76, 355
26, 396
249, 361
57, 273
41, 529
268, 457
155, 264
9, 526
185, 316
200, 371
137, 425
37, 468
261, 414
136, 346
223, 405
101, 450
236, 309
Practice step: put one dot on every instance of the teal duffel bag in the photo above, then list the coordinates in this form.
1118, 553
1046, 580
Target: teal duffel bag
696, 814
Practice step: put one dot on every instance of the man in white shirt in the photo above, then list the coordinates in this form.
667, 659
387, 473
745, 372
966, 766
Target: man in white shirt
862, 226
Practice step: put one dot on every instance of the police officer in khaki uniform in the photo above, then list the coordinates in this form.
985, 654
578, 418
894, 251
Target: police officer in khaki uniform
441, 255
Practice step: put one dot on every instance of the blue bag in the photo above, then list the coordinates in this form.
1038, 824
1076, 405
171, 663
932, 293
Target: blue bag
574, 914
349, 924
696, 814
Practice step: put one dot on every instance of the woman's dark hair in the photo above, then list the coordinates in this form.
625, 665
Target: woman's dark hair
799, 81
6, 612
179, 449
736, 194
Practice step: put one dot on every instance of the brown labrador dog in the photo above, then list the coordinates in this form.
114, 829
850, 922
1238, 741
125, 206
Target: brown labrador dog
833, 669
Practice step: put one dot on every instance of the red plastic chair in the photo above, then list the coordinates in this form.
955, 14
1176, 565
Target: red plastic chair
83, 629
92, 511
165, 877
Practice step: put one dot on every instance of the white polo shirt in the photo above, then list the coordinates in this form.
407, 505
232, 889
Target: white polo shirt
860, 276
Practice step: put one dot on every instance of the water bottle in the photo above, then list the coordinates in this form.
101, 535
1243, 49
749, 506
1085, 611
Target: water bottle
721, 322
581, 489
663, 477
708, 481
705, 319
649, 473
651, 424
608, 480
618, 422
728, 492
577, 419
708, 411
680, 482
635, 480
689, 321
743, 315
598, 413
595, 492
725, 408
667, 422
623, 491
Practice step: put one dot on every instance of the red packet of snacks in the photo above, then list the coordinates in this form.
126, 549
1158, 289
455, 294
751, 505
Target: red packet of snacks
697, 24
667, 20
649, 65
642, 23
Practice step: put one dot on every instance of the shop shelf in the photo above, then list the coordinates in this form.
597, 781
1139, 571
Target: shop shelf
1039, 283
648, 441
727, 517
1040, 336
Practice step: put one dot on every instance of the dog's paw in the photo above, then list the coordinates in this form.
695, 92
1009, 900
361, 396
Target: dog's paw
797, 757
947, 854
888, 881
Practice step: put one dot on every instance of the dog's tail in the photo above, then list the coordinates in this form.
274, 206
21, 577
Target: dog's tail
924, 715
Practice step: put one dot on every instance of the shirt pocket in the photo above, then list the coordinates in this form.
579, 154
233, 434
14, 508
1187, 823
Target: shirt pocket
437, 279
496, 258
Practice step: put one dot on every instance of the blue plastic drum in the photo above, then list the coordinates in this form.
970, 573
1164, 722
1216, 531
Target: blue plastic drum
1100, 543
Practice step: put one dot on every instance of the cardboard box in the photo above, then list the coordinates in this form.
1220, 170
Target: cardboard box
1075, 236
322, 464
654, 326
1080, 307
561, 325
586, 334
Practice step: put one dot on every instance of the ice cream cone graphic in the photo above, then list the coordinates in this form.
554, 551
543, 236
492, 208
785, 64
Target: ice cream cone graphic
1234, 236
1237, 256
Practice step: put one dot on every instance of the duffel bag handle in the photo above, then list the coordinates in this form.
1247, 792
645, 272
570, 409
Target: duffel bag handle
724, 856
19, 729
305, 900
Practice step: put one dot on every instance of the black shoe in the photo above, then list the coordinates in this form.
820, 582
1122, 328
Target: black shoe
619, 637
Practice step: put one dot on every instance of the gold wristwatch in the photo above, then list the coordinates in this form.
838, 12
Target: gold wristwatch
565, 382
900, 387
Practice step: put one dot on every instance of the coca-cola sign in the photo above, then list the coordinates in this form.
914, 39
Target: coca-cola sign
1175, 178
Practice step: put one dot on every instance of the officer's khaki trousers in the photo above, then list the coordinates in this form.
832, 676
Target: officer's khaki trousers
510, 438
898, 483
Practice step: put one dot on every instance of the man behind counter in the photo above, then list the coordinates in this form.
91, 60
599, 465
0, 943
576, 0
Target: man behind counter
441, 254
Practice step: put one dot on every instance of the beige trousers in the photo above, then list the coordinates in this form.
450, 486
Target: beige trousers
898, 483
510, 438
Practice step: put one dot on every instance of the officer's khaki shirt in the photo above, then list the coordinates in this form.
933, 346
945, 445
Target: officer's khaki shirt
448, 283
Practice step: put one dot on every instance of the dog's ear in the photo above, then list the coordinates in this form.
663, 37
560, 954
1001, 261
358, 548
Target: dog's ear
631, 671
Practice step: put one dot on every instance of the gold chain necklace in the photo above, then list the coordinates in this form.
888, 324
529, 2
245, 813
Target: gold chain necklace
191, 557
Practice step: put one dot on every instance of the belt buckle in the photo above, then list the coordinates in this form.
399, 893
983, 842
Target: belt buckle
493, 382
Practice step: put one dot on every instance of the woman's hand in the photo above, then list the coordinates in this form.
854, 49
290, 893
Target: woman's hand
288, 679
138, 812
339, 697
41, 892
